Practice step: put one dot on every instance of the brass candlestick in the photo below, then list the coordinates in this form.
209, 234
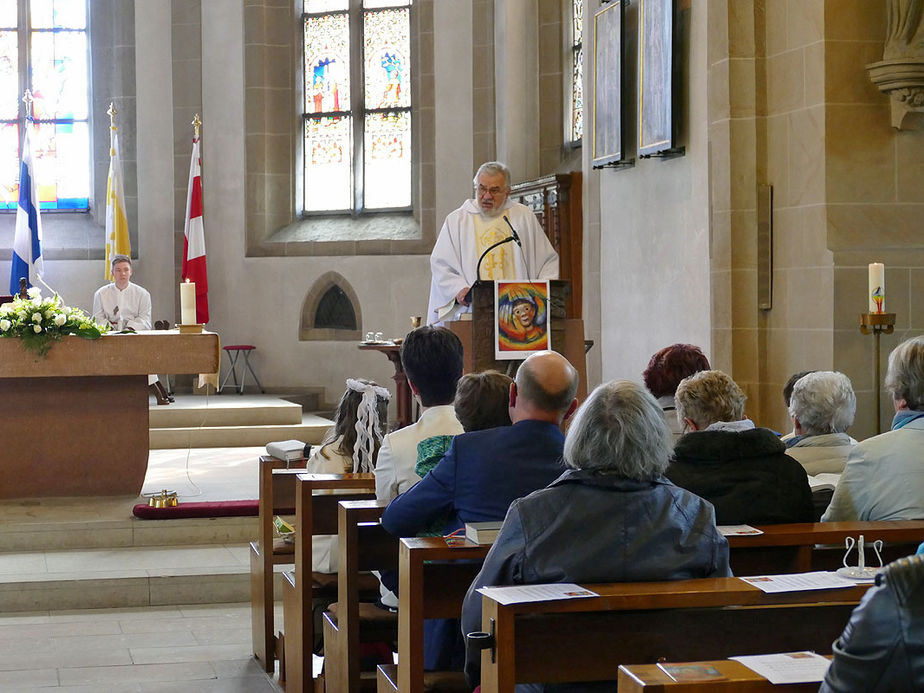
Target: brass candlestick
877, 324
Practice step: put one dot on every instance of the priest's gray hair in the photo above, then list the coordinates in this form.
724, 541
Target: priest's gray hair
824, 402
905, 378
492, 168
708, 397
620, 429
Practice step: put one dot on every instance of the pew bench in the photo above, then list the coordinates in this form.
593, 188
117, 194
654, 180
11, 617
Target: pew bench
276, 497
364, 546
433, 579
648, 678
808, 546
683, 620
316, 504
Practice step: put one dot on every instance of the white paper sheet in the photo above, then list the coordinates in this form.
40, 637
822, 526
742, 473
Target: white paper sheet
738, 530
798, 582
788, 667
519, 594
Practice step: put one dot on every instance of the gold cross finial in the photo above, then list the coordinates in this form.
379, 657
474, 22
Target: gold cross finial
196, 123
112, 114
27, 99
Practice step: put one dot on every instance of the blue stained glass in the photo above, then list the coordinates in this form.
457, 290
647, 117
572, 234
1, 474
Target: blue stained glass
9, 165
59, 14
59, 74
327, 63
386, 48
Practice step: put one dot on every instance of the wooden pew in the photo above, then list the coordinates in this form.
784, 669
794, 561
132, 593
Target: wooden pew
799, 548
277, 497
316, 503
648, 678
428, 590
364, 546
683, 620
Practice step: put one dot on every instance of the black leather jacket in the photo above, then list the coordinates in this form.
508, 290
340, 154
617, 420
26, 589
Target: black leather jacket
882, 647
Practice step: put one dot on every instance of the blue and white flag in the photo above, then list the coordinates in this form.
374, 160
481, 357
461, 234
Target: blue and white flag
27, 241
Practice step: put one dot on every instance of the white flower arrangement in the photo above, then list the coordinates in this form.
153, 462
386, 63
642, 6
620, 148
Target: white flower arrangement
40, 322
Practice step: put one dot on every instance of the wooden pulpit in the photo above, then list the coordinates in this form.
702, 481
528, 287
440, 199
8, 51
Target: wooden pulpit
477, 334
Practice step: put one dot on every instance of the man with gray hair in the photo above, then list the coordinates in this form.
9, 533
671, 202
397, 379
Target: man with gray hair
611, 517
884, 476
822, 407
491, 216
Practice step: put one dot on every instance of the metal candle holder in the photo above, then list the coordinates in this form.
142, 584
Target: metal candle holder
877, 324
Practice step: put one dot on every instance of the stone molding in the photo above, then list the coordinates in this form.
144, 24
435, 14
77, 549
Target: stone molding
900, 73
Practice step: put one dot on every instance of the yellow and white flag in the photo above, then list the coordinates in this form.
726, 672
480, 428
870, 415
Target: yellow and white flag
117, 242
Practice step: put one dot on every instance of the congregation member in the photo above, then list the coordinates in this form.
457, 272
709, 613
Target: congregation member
822, 407
884, 476
123, 306
880, 648
483, 472
469, 231
741, 469
665, 370
611, 517
482, 401
787, 395
350, 447
432, 361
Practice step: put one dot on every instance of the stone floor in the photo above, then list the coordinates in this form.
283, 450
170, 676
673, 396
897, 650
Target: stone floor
178, 649
193, 648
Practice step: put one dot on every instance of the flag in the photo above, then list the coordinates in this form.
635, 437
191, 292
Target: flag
117, 242
27, 240
194, 238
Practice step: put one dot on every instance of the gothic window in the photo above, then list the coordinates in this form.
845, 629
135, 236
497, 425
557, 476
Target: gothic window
44, 48
357, 106
576, 59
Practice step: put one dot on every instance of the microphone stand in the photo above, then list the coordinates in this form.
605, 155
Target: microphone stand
468, 296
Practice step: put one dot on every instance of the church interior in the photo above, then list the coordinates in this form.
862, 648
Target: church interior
794, 164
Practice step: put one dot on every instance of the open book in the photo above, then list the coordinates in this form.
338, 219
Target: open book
823, 482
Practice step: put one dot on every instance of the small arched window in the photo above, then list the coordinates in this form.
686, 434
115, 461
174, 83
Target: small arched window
331, 311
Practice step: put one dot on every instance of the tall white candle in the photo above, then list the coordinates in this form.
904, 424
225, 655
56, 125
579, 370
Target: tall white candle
188, 303
876, 287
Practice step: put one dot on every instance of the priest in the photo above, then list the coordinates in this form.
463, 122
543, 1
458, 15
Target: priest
473, 228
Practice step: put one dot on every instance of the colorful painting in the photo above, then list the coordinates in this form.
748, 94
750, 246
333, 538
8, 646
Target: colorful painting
522, 313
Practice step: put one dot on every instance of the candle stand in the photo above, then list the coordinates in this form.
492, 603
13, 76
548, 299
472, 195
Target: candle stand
877, 324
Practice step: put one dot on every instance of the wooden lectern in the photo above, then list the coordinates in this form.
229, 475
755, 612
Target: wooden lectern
477, 334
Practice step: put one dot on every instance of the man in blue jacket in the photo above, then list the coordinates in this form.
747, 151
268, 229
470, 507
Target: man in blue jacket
483, 472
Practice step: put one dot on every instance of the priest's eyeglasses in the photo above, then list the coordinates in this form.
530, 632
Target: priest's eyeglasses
493, 191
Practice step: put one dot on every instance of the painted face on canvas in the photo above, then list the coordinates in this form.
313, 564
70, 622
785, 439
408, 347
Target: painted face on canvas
524, 313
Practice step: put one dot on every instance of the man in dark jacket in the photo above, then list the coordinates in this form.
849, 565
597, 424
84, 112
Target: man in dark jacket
742, 470
484, 471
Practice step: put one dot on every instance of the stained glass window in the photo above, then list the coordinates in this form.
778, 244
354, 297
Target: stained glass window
577, 70
56, 72
357, 148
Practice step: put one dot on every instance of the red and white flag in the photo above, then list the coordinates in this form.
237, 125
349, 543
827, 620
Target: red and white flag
194, 243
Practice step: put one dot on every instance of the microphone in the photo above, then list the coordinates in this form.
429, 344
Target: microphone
468, 297
513, 231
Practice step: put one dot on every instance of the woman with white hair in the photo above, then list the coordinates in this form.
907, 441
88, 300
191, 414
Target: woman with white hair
822, 407
884, 476
611, 516
741, 469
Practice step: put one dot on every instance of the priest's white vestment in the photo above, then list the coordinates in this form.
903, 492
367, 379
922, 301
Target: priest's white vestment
454, 259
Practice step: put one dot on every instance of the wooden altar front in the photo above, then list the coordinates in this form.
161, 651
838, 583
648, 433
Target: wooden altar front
75, 422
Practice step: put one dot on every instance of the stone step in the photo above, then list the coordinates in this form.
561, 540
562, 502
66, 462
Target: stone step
194, 411
125, 577
311, 430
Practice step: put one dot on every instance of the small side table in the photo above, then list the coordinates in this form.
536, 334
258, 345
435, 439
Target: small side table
403, 400
234, 351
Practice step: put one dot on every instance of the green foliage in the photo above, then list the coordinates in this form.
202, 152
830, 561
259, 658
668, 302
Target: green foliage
38, 323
